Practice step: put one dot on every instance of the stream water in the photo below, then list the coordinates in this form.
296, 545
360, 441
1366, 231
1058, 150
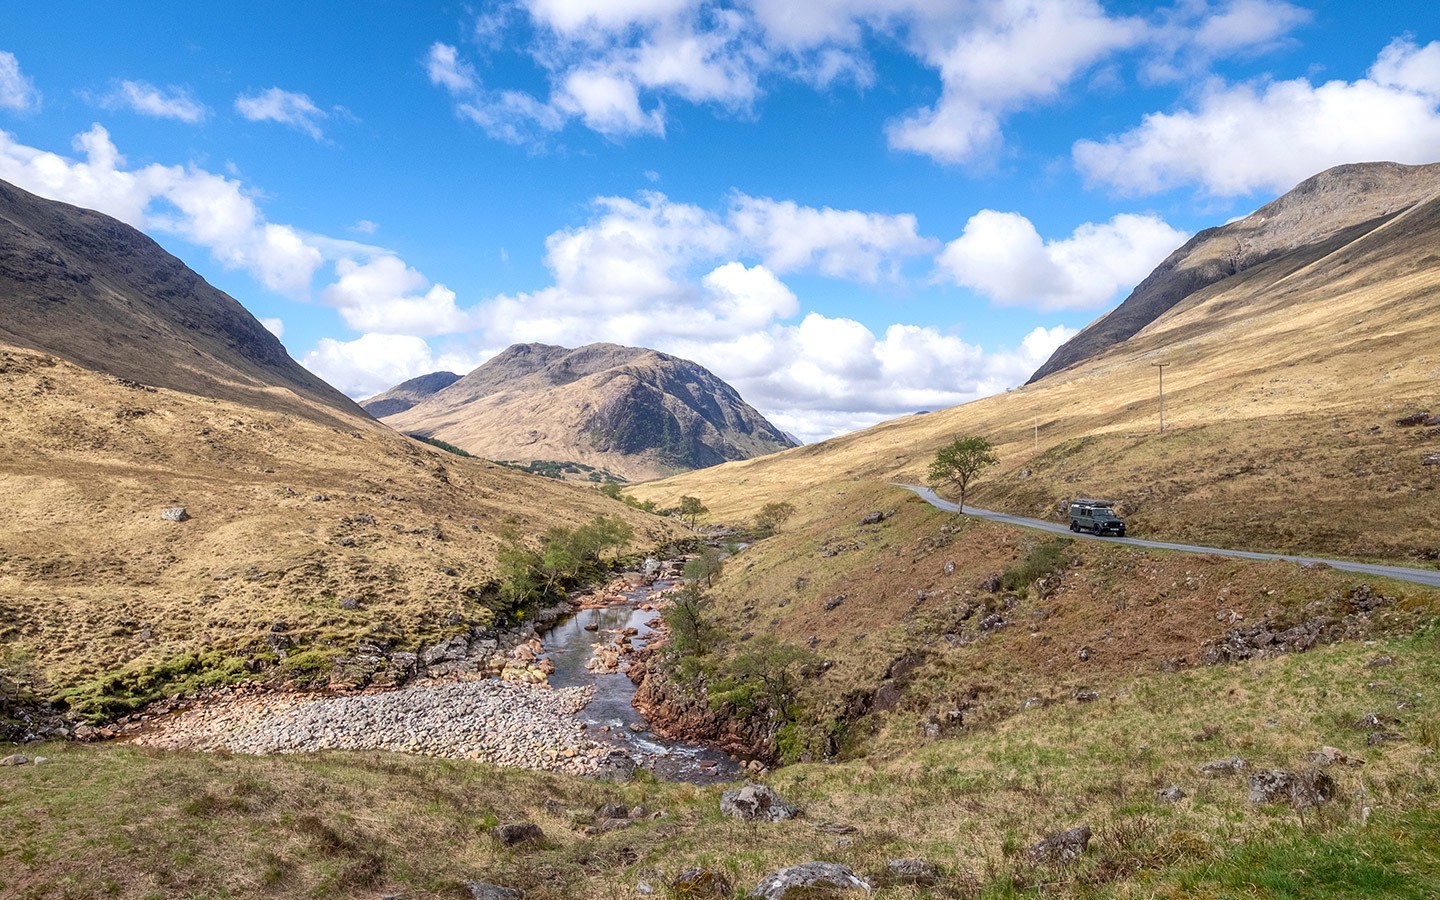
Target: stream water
610, 717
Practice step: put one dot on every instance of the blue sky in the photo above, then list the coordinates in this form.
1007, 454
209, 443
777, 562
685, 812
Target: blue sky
850, 210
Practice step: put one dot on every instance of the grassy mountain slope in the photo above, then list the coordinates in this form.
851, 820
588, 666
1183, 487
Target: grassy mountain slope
627, 410
91, 290
94, 581
1322, 213
1282, 395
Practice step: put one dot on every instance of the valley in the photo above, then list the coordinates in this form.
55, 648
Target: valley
266, 645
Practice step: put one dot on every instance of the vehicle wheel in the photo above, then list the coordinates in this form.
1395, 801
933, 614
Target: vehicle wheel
1074, 527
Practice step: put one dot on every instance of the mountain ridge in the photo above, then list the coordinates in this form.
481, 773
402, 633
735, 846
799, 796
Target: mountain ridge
91, 290
1308, 215
633, 411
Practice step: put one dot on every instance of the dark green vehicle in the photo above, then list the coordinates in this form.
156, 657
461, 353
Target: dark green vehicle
1097, 516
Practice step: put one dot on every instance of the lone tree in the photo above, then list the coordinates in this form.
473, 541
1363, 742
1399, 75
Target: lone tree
773, 515
960, 461
691, 508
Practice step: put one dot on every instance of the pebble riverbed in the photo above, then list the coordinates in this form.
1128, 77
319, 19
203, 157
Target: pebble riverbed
500, 722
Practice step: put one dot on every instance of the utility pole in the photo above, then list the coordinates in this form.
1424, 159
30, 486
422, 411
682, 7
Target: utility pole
1161, 367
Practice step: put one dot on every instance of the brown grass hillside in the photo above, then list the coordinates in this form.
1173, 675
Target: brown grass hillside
92, 580
1282, 395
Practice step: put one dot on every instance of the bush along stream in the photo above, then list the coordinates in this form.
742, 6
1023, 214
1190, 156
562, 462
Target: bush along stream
556, 694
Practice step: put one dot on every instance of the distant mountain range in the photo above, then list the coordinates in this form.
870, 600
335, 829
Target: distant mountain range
629, 411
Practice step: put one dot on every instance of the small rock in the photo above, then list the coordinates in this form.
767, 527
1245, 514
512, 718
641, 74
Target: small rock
1329, 756
1380, 662
1368, 722
175, 514
351, 603
835, 828
481, 891
1061, 848
1085, 653
320, 498
1171, 794
911, 871
1381, 737
1221, 768
518, 833
699, 882
1086, 696
809, 880
874, 518
755, 802
1301, 790
834, 602
15, 759
613, 811
40, 760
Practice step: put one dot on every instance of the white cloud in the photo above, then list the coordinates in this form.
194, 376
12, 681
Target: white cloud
1024, 50
274, 326
148, 100
838, 243
286, 107
376, 362
447, 69
383, 294
365, 226
17, 92
1270, 135
1001, 255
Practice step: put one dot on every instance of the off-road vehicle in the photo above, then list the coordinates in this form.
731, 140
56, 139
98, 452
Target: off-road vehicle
1096, 516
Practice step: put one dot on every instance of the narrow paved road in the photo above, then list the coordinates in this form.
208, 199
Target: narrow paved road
1428, 577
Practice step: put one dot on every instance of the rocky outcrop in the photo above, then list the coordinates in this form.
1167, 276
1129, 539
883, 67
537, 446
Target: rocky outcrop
1064, 847
676, 712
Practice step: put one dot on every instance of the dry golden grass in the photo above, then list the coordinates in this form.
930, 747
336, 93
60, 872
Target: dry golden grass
1281, 397
92, 579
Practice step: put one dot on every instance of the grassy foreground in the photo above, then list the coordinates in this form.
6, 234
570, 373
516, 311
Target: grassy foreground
124, 822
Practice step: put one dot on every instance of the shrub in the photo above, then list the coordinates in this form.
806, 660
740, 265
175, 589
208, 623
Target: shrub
1046, 559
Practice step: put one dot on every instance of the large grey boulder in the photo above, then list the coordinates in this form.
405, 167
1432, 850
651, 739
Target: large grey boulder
756, 802
1302, 790
809, 880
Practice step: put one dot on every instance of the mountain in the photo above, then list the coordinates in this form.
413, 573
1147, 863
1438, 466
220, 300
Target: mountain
128, 388
633, 412
1322, 214
93, 291
1303, 378
408, 393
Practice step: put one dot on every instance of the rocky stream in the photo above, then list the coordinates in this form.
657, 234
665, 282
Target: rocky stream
558, 698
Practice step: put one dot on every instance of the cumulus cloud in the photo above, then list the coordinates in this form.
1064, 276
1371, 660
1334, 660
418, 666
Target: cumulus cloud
839, 243
149, 100
383, 294
614, 66
1002, 256
285, 107
17, 92
1241, 138
274, 326
1024, 50
373, 363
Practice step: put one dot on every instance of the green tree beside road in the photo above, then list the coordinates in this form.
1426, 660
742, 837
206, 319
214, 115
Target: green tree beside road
961, 461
